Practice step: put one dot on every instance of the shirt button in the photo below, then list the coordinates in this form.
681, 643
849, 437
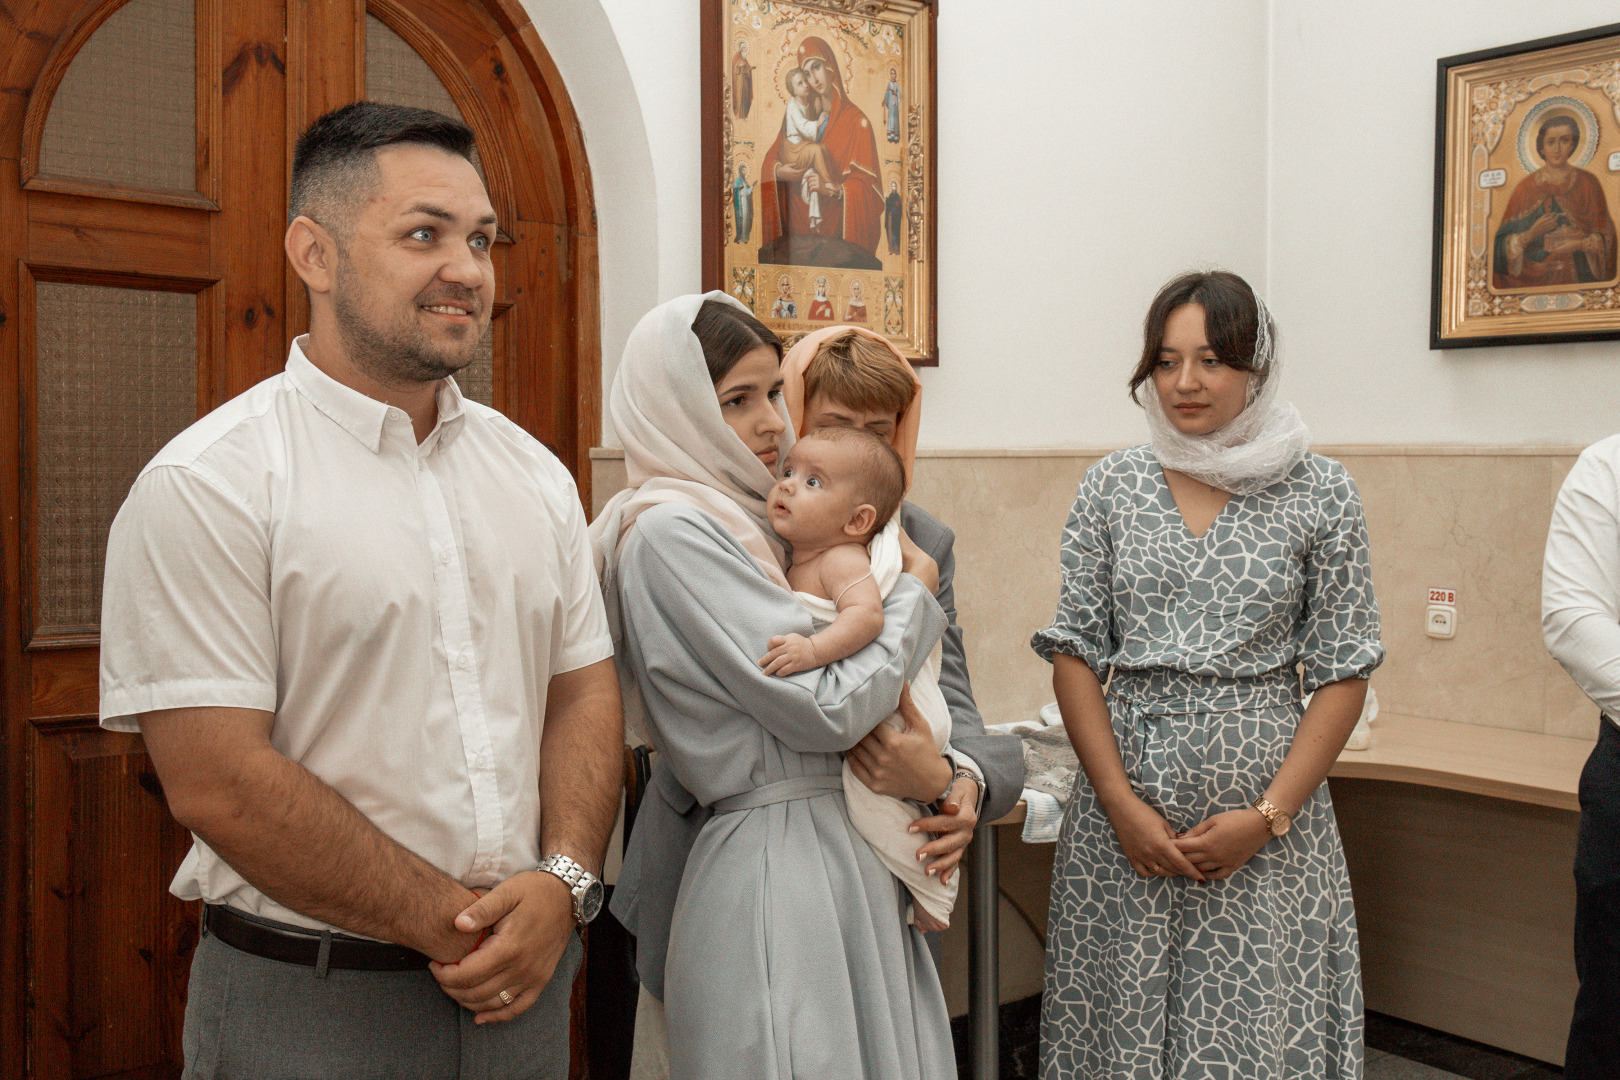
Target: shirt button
464, 661
444, 557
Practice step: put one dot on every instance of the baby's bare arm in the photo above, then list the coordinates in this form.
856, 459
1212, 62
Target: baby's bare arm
844, 575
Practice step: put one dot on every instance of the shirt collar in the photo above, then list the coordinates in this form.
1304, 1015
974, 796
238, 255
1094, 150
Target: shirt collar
365, 417
452, 412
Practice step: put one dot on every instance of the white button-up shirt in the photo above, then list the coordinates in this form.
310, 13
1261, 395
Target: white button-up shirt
401, 609
1580, 581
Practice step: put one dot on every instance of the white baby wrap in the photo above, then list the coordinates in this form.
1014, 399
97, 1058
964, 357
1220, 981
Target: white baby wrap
881, 820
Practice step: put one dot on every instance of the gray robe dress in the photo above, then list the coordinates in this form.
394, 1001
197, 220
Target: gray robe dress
1210, 641
788, 953
670, 818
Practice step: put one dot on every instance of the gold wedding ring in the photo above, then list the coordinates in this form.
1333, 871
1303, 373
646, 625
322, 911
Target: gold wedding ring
506, 999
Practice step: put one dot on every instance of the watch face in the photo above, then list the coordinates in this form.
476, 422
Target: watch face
1280, 824
590, 904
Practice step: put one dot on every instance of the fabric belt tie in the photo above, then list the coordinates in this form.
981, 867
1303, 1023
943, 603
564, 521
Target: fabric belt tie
799, 787
1162, 753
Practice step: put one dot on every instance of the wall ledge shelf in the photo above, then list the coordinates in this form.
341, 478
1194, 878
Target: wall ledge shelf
1521, 766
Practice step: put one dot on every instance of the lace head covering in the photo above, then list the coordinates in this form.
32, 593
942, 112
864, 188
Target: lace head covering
1257, 448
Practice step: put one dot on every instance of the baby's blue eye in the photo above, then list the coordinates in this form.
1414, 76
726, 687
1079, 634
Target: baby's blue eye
812, 482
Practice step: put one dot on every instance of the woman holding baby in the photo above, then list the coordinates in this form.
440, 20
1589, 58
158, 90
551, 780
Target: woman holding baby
788, 950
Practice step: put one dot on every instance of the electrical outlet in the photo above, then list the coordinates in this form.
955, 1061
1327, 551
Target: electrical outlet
1441, 621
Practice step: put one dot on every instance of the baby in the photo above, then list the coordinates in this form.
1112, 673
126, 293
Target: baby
839, 490
802, 129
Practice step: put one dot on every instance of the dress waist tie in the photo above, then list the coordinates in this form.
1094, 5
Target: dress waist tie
791, 790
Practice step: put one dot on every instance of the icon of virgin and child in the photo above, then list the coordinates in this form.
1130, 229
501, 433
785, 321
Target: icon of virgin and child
820, 203
1556, 230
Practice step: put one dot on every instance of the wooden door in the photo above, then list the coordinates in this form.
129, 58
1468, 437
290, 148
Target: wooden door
144, 153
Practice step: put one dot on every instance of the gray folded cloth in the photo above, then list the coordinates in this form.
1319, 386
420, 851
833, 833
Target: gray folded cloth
1050, 770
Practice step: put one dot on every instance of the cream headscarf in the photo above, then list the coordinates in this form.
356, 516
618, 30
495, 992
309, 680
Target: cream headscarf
677, 448
798, 360
1252, 451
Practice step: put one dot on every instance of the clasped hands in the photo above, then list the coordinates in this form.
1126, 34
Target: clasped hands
1213, 850
524, 923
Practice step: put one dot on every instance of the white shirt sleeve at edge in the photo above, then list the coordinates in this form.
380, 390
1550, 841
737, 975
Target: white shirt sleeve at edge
1580, 588
584, 639
185, 611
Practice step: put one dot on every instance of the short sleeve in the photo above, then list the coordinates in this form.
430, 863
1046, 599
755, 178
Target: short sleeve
1338, 636
1580, 578
1084, 623
584, 638
185, 610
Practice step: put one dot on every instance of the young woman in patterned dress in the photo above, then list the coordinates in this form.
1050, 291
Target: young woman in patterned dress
1201, 922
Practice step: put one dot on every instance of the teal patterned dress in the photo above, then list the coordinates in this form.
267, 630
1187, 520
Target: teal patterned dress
1211, 642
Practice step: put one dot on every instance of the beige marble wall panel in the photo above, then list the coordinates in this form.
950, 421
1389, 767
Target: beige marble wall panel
1008, 515
607, 477
1471, 519
1478, 524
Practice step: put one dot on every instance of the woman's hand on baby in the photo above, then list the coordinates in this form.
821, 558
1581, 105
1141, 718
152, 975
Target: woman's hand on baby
1224, 843
952, 828
918, 563
1149, 842
790, 653
903, 763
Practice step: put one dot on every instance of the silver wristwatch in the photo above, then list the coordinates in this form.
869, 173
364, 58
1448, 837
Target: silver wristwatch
585, 886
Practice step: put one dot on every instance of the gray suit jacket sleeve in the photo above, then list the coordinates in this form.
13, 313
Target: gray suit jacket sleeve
999, 755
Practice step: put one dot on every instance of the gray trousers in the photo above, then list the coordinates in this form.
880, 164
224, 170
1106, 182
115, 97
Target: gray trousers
257, 1019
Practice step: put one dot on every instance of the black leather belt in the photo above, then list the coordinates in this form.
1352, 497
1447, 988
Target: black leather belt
297, 945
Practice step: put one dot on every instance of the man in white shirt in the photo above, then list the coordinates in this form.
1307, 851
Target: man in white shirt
342, 608
1580, 617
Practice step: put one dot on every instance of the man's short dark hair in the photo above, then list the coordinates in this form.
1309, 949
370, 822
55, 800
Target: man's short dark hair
337, 154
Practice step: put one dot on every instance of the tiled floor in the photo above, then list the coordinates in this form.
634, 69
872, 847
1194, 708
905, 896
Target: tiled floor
1443, 1055
1396, 1050
1382, 1066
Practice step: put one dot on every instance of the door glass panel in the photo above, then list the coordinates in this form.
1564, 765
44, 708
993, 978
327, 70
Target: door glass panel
126, 111
396, 74
116, 378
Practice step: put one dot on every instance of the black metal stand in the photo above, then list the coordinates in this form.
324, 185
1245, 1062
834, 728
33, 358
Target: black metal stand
984, 961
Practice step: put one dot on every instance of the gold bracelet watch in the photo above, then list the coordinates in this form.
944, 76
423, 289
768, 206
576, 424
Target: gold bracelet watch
1278, 822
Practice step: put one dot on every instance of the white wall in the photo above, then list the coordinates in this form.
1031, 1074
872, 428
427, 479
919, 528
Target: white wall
1351, 212
585, 46
1085, 155
1089, 151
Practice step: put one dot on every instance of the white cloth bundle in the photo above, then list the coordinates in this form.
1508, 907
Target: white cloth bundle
881, 820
